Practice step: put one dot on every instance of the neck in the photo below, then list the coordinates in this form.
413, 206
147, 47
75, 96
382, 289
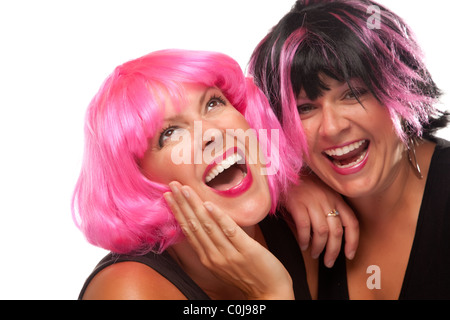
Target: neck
214, 287
400, 198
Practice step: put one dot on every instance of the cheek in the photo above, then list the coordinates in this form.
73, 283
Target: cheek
395, 150
160, 168
310, 129
250, 208
233, 119
257, 207
311, 142
251, 212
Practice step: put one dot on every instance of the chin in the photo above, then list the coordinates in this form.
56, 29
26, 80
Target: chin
252, 213
355, 190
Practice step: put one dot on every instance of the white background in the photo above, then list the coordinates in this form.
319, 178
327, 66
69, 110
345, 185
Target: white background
54, 56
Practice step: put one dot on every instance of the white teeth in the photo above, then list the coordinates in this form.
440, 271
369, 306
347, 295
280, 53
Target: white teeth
347, 149
354, 163
220, 167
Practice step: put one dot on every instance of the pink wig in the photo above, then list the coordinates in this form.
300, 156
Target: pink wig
114, 204
346, 39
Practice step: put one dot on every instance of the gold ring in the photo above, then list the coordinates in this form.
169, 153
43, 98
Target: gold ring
333, 213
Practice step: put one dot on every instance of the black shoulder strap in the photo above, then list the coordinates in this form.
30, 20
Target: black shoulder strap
162, 263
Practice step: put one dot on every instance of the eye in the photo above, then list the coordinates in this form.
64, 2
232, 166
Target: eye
355, 94
165, 135
215, 101
305, 109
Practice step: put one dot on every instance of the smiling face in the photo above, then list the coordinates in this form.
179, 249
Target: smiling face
196, 146
352, 147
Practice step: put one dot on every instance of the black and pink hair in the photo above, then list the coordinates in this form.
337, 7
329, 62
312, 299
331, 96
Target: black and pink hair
341, 39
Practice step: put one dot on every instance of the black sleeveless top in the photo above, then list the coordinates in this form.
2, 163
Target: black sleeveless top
280, 241
427, 275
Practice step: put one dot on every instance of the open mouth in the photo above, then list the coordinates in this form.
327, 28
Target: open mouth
226, 174
229, 174
348, 156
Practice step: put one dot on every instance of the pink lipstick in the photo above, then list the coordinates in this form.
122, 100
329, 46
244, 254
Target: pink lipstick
229, 174
349, 158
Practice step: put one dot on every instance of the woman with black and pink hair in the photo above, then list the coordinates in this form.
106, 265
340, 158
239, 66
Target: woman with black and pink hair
346, 78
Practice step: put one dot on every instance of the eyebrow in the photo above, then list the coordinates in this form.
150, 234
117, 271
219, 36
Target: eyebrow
352, 83
172, 119
201, 102
205, 93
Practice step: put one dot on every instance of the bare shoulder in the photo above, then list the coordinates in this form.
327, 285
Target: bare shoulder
131, 281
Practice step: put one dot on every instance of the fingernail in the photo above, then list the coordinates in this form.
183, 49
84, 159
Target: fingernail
173, 187
168, 196
185, 192
351, 255
208, 206
329, 263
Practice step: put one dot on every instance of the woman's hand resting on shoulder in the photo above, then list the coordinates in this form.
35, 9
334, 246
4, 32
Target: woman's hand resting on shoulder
226, 249
309, 204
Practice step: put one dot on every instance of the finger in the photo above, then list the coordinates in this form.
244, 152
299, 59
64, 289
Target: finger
320, 230
204, 230
351, 229
196, 210
334, 242
240, 240
219, 236
189, 223
303, 226
182, 221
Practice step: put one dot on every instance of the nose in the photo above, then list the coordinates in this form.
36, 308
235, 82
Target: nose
333, 121
208, 140
212, 134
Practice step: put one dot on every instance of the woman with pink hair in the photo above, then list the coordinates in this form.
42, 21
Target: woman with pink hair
347, 79
185, 132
